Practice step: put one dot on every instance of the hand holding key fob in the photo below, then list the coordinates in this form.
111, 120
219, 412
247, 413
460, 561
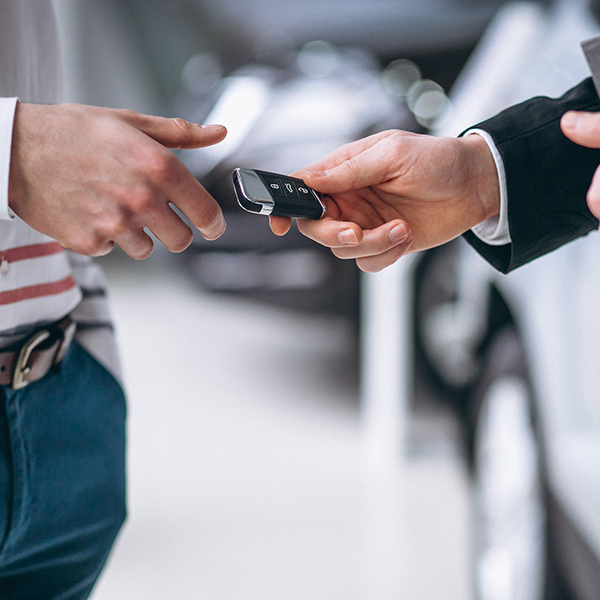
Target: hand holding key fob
264, 193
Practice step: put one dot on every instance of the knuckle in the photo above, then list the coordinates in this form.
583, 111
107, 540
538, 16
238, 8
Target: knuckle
157, 166
366, 266
593, 199
184, 131
182, 243
127, 115
108, 227
138, 202
184, 126
370, 265
208, 213
141, 253
91, 245
349, 171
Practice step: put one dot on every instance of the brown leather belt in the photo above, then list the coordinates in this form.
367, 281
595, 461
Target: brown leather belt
44, 349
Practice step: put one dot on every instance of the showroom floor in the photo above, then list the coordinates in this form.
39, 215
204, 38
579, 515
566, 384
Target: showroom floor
247, 471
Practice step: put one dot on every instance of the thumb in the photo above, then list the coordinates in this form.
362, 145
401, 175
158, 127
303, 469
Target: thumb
176, 132
363, 170
583, 128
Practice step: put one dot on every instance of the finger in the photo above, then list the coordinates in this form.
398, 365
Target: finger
107, 248
350, 241
582, 128
136, 243
331, 233
377, 241
175, 133
593, 195
359, 170
169, 229
201, 209
280, 225
175, 183
374, 264
94, 250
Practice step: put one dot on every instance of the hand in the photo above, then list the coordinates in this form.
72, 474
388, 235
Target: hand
90, 177
583, 128
397, 192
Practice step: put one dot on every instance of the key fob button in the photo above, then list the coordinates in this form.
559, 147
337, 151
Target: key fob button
304, 193
289, 188
274, 185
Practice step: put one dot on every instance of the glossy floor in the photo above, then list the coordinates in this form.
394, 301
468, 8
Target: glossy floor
247, 474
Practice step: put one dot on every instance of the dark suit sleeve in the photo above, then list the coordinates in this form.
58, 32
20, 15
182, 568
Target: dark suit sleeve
547, 177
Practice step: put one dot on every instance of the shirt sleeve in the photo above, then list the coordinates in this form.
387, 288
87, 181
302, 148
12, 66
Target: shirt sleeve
7, 118
494, 231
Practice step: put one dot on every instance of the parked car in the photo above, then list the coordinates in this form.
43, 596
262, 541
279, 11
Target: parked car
518, 354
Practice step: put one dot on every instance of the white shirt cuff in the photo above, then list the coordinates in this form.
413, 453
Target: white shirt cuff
494, 231
7, 119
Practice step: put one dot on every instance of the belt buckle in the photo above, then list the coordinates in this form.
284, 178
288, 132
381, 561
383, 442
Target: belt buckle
21, 367
63, 331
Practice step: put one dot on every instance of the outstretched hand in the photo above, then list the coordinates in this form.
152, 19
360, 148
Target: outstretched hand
397, 192
583, 128
91, 177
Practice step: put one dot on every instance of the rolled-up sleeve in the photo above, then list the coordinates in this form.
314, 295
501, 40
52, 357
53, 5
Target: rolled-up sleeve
7, 118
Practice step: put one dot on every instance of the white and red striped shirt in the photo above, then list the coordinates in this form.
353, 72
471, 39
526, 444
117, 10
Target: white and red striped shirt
40, 281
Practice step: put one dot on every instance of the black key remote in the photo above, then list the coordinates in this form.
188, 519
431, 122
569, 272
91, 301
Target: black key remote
264, 193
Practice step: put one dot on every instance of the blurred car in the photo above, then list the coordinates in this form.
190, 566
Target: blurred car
318, 75
518, 354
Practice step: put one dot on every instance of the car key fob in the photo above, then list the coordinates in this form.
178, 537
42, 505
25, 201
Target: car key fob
265, 193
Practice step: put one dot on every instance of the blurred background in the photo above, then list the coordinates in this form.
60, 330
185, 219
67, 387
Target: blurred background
432, 430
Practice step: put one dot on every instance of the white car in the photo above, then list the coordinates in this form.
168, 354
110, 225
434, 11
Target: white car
520, 354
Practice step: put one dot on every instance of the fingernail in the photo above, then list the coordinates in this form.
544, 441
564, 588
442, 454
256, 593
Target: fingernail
570, 120
348, 237
399, 233
213, 128
316, 174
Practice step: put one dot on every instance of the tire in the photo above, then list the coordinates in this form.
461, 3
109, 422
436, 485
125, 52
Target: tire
510, 531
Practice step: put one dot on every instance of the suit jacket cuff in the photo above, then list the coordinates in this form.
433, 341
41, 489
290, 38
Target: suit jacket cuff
547, 177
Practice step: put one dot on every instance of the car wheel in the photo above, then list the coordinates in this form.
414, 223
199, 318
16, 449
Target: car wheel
510, 515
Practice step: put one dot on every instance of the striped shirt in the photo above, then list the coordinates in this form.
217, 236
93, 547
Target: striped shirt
40, 281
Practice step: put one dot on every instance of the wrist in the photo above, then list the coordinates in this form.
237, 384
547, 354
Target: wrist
484, 193
15, 187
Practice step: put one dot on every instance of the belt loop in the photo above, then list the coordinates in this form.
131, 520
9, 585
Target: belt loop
68, 334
